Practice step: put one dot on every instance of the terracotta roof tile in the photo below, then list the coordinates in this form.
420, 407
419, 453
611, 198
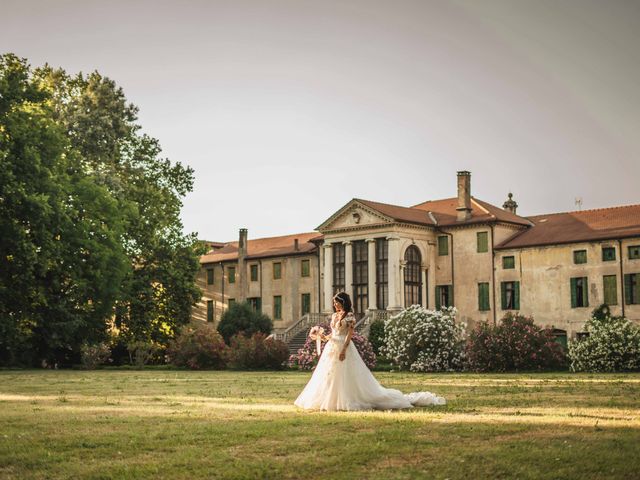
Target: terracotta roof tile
265, 247
403, 214
580, 226
445, 212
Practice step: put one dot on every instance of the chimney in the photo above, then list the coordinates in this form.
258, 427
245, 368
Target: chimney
241, 271
464, 195
510, 205
295, 245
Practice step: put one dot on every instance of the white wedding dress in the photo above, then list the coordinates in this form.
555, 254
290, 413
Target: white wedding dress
349, 384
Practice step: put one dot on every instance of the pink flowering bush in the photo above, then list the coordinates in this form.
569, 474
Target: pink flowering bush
515, 344
307, 358
198, 346
257, 352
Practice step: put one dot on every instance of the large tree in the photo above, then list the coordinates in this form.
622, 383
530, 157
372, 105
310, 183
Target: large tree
90, 217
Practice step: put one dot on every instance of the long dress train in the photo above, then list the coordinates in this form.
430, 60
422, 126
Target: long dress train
349, 384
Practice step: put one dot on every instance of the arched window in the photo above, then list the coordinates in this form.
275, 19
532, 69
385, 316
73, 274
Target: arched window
412, 277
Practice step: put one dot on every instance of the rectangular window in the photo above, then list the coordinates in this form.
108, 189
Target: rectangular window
338, 268
254, 273
277, 307
510, 294
360, 276
232, 274
209, 310
483, 296
277, 271
579, 293
508, 262
209, 276
256, 303
482, 241
444, 296
443, 245
610, 287
632, 288
608, 254
579, 256
382, 273
231, 301
304, 268
306, 303
634, 252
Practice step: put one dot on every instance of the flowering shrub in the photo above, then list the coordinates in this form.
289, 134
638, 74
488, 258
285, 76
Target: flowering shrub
613, 345
93, 355
198, 346
257, 352
376, 335
307, 358
424, 340
516, 343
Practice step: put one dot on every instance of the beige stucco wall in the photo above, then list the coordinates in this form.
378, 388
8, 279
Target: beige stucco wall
290, 286
545, 272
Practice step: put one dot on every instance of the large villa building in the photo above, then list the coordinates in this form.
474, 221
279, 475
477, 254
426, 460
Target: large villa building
461, 251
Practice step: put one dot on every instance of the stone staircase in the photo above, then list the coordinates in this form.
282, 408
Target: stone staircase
296, 335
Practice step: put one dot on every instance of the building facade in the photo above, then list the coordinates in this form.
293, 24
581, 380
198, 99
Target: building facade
461, 251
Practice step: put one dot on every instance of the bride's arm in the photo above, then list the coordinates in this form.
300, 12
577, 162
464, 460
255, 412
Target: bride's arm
351, 322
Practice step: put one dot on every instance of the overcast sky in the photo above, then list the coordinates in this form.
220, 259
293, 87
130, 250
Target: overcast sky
288, 109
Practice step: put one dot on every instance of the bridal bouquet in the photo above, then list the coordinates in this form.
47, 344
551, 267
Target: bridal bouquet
316, 333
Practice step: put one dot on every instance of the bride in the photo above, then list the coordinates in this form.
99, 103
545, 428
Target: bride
342, 381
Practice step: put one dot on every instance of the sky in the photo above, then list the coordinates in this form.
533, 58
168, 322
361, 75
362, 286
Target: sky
287, 110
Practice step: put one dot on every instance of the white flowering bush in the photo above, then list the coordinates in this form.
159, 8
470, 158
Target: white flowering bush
424, 340
612, 345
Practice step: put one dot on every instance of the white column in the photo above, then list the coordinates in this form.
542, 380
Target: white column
403, 266
371, 273
328, 277
394, 272
348, 269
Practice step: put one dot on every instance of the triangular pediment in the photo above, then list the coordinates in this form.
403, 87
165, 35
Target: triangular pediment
354, 214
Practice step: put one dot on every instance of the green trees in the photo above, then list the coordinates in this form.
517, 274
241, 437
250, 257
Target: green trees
89, 216
240, 317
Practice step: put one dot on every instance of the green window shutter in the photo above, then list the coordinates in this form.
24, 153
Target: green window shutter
305, 268
610, 289
438, 297
608, 254
579, 256
443, 245
232, 275
483, 297
277, 271
503, 295
482, 242
574, 295
508, 262
254, 273
516, 295
209, 310
209, 276
636, 288
627, 288
277, 307
450, 296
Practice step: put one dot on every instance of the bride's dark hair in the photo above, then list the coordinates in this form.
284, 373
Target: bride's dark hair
344, 300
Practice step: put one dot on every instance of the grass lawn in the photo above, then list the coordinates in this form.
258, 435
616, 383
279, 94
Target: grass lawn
181, 424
